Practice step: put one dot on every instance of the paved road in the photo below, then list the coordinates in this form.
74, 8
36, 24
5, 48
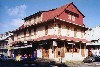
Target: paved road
30, 64
94, 64
44, 64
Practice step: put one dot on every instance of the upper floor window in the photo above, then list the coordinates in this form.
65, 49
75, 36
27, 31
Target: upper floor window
59, 30
46, 29
68, 30
82, 33
75, 32
30, 31
34, 30
24, 32
27, 32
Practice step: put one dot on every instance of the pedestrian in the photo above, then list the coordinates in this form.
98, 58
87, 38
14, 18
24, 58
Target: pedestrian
18, 57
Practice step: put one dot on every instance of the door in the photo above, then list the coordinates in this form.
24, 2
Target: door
45, 53
60, 52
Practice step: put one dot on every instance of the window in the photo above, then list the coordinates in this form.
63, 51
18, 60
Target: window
69, 48
68, 30
75, 49
72, 48
34, 30
59, 30
29, 31
46, 29
24, 32
75, 32
82, 33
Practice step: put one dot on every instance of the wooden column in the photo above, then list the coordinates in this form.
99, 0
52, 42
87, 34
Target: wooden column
82, 50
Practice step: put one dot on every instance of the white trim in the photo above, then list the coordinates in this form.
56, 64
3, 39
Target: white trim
22, 47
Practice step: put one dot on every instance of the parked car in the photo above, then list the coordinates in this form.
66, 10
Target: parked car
92, 58
3, 57
97, 58
27, 59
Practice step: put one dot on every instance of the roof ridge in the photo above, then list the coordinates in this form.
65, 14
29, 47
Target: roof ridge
47, 10
56, 8
64, 8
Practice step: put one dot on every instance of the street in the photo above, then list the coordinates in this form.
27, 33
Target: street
94, 64
12, 63
42, 63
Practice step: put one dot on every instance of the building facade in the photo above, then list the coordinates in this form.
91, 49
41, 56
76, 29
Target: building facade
5, 43
93, 36
56, 34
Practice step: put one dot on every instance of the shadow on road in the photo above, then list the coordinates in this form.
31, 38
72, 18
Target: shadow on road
12, 63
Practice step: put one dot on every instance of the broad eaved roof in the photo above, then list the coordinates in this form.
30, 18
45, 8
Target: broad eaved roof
58, 14
51, 14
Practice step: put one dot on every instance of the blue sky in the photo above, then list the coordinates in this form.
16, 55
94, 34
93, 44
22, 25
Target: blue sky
13, 11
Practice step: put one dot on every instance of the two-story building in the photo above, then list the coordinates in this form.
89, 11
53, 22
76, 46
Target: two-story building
5, 43
56, 34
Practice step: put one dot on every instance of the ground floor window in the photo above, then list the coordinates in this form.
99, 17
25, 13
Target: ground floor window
72, 47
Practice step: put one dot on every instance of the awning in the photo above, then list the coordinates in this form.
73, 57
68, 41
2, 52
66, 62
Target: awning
61, 38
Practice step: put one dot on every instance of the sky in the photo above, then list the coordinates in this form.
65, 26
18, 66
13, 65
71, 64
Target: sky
13, 11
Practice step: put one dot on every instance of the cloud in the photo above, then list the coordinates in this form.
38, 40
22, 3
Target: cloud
14, 20
11, 25
19, 11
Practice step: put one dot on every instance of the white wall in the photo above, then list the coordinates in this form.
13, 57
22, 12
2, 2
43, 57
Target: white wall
51, 55
40, 31
51, 30
64, 31
79, 34
39, 53
73, 57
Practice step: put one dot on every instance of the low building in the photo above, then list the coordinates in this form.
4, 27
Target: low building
93, 36
56, 34
4, 43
